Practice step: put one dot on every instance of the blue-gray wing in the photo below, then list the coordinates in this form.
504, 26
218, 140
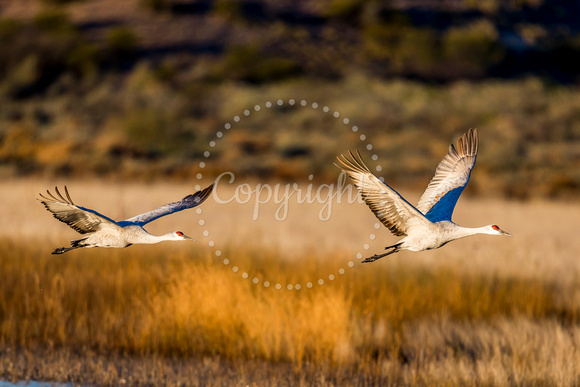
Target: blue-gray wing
189, 201
451, 177
398, 215
83, 220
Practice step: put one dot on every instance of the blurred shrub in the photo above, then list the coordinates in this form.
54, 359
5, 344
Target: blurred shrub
121, 44
34, 54
229, 9
251, 64
470, 51
155, 5
60, 2
55, 22
345, 10
398, 47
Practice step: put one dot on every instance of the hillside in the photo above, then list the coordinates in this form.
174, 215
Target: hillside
140, 89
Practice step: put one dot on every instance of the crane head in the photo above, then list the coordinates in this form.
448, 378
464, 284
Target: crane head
495, 230
181, 236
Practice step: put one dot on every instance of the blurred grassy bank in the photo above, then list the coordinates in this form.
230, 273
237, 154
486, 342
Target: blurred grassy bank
380, 324
529, 131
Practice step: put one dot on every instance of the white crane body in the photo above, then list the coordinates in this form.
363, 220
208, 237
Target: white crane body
427, 226
104, 232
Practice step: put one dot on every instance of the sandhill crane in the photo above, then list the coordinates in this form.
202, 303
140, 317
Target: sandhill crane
427, 226
105, 232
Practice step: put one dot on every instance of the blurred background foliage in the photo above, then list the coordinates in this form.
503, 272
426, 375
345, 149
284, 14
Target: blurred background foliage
139, 89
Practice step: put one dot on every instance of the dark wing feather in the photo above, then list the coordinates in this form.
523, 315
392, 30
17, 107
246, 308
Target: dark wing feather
451, 177
189, 201
83, 220
398, 215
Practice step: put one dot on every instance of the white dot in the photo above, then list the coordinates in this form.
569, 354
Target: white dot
212, 244
309, 285
366, 246
310, 177
363, 137
202, 165
206, 154
228, 126
359, 256
205, 233
257, 108
382, 179
278, 286
374, 157
199, 176
355, 128
298, 287
341, 271
245, 275
291, 102
235, 269
379, 168
377, 226
201, 222
237, 118
219, 134
266, 284
226, 261
336, 114
314, 105
280, 102
351, 264
212, 144
331, 277
369, 147
268, 104
255, 280
345, 121
326, 109
246, 112
198, 211
321, 282
303, 102
197, 187
373, 237
289, 287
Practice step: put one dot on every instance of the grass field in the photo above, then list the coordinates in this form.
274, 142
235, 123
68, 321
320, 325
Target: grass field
483, 310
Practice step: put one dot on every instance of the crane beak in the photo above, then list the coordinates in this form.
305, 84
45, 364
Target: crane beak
504, 233
185, 237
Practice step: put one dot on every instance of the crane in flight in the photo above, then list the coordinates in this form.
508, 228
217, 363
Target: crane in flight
105, 232
427, 226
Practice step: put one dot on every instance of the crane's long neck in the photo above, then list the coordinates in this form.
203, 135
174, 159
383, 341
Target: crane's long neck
462, 232
152, 239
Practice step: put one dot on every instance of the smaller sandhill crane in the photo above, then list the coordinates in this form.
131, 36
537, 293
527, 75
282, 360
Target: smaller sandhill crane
427, 226
105, 232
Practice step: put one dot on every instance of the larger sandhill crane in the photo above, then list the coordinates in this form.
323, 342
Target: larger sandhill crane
105, 232
427, 226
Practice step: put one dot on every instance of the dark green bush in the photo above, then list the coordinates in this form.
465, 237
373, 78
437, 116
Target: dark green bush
251, 64
121, 44
470, 51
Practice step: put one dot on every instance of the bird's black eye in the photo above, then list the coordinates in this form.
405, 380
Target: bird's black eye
179, 233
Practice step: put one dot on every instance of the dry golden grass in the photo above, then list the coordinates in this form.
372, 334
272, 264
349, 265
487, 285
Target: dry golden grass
490, 311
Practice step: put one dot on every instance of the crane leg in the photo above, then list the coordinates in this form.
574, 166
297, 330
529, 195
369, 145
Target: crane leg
395, 248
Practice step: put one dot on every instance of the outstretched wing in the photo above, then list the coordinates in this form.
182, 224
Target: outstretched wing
398, 215
83, 220
451, 177
189, 201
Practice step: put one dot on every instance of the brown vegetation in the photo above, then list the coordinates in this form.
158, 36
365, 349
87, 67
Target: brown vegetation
481, 311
